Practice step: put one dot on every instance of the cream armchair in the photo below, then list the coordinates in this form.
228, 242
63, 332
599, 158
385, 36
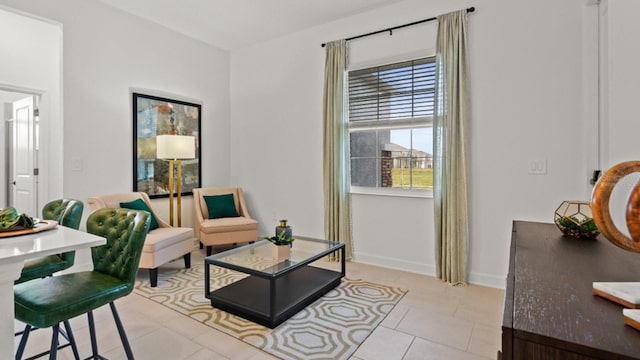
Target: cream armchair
219, 228
162, 244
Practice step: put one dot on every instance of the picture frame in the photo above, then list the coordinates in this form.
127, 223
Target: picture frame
153, 116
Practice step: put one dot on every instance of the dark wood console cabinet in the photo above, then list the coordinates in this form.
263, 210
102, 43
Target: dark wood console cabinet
550, 311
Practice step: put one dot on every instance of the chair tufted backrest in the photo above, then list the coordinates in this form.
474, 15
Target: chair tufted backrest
67, 212
125, 231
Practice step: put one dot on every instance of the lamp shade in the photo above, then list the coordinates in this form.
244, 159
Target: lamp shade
175, 147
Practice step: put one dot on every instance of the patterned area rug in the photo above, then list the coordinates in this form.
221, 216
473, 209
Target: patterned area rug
331, 328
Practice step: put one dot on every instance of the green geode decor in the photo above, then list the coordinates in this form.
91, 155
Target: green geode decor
574, 219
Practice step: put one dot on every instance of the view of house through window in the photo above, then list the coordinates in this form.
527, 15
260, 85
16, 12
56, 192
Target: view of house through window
390, 125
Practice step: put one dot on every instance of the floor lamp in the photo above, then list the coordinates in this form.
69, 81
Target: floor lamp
175, 148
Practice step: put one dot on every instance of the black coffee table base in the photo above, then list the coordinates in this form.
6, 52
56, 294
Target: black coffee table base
271, 301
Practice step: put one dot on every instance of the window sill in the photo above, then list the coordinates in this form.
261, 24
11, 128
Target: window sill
359, 190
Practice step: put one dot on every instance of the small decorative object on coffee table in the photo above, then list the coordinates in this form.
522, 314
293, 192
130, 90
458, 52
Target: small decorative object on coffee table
281, 241
288, 232
574, 219
281, 252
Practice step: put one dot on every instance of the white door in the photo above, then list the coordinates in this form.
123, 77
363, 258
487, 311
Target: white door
24, 193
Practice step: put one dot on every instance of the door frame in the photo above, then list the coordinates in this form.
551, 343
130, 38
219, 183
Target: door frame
43, 145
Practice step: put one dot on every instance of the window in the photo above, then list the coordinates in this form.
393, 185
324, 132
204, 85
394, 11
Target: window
390, 125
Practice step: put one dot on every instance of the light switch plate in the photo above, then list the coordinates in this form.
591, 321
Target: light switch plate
538, 166
76, 164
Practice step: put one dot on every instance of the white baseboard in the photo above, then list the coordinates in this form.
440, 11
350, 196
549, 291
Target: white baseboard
498, 282
397, 264
426, 269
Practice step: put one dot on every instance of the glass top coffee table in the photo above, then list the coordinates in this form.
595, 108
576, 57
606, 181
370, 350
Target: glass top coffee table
274, 290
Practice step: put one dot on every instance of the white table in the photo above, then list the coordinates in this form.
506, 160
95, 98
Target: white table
14, 251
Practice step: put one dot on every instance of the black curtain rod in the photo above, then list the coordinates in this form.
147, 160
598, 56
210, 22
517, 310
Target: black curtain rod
390, 30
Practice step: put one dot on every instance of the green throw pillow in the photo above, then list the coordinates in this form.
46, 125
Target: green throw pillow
139, 204
220, 206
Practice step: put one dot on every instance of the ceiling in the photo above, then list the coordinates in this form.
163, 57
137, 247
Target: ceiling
233, 24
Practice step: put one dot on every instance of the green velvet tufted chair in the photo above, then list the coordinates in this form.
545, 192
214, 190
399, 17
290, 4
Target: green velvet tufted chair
66, 212
47, 302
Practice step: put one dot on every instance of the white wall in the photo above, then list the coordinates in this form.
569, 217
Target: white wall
621, 74
527, 71
106, 54
620, 86
530, 75
31, 63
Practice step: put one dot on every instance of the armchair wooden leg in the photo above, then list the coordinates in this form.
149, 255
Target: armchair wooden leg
187, 260
201, 245
153, 277
209, 250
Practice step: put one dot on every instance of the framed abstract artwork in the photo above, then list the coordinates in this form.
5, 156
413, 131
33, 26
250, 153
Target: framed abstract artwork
153, 116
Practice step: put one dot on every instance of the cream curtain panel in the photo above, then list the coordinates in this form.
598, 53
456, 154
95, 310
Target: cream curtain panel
337, 207
451, 148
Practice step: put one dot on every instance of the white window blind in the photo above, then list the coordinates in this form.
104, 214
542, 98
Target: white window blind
394, 93
390, 119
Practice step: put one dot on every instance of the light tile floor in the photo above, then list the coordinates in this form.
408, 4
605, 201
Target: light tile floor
433, 321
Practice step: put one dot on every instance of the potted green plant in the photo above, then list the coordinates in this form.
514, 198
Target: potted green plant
282, 248
280, 239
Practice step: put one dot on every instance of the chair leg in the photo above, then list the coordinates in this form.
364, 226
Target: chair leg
123, 335
187, 260
23, 341
92, 334
55, 342
71, 339
209, 250
53, 352
201, 245
153, 277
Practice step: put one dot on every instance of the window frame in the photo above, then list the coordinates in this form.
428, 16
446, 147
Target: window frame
388, 124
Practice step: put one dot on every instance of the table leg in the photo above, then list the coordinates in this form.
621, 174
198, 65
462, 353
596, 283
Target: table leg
207, 278
272, 300
8, 274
